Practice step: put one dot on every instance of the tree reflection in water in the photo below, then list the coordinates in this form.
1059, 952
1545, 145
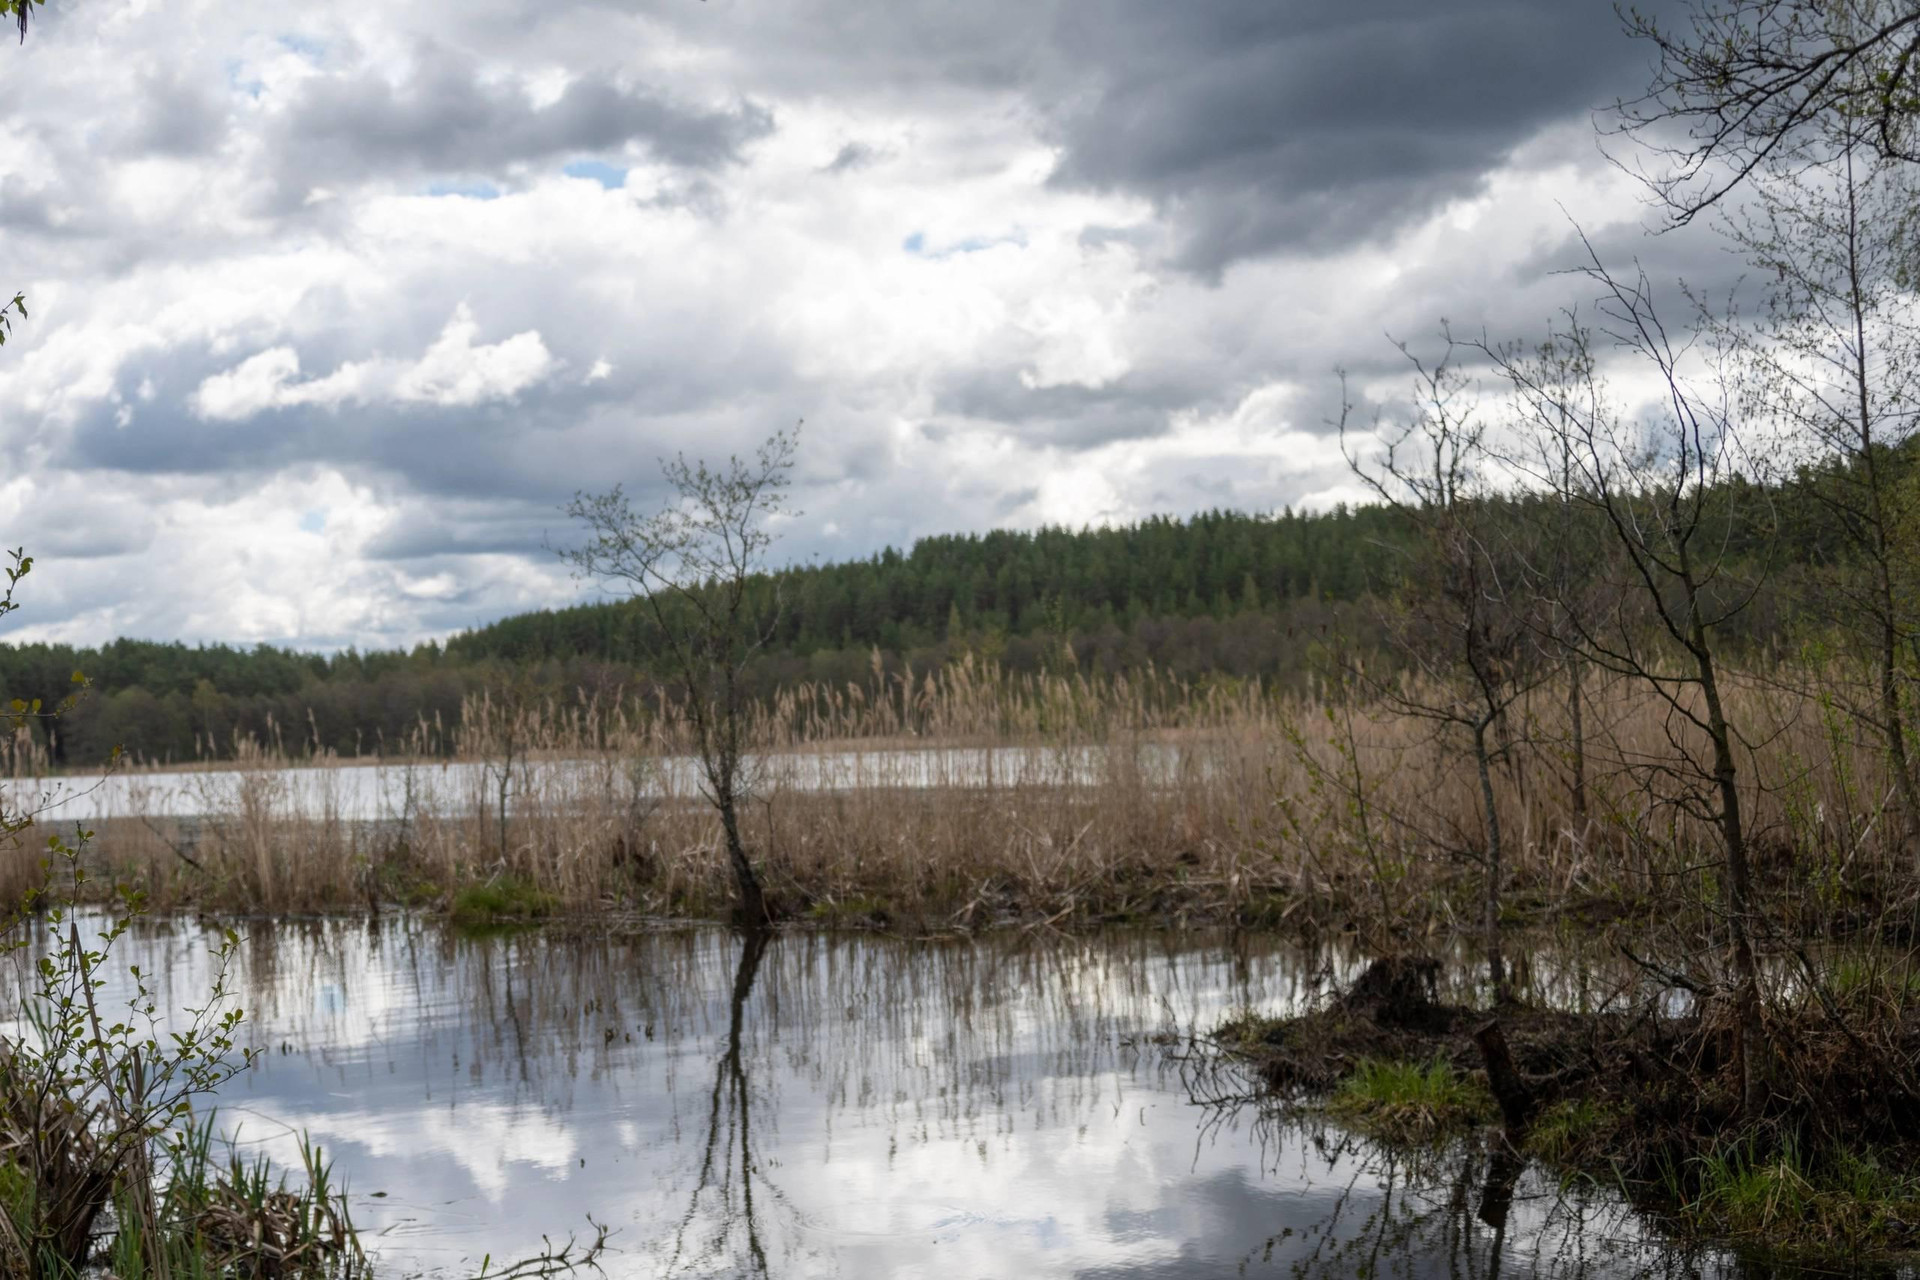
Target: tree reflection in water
729, 1144
1465, 1210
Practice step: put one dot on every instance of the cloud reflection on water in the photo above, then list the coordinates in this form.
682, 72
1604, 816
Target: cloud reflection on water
839, 1106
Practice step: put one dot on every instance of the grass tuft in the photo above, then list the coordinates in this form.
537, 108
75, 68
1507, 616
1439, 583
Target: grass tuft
1850, 1201
502, 900
1410, 1101
1572, 1132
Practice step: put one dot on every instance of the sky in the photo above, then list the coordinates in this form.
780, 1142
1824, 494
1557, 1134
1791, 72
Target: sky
333, 307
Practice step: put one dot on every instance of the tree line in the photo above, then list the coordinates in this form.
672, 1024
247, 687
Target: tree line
1220, 595
1224, 593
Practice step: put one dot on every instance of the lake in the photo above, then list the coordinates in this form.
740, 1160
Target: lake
840, 1105
373, 792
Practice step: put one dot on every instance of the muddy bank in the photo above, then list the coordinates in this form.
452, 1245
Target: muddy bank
1644, 1094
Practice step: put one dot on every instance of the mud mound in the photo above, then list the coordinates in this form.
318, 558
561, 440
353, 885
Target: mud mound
1399, 991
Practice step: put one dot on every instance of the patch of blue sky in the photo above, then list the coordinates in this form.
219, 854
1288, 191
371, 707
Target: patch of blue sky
916, 244
469, 190
314, 521
612, 177
252, 88
306, 46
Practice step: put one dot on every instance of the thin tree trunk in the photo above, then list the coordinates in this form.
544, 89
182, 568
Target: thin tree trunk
1890, 717
1896, 731
1490, 919
752, 906
1750, 1032
1576, 699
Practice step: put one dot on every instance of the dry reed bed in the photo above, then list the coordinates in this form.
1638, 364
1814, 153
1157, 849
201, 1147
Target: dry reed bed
1146, 797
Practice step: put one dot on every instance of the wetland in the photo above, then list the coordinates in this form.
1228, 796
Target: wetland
805, 1103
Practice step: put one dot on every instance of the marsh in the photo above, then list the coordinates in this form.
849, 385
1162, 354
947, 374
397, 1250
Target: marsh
812, 1104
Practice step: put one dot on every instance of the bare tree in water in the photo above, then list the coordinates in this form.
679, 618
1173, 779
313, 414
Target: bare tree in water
1833, 365
1451, 622
1673, 494
699, 567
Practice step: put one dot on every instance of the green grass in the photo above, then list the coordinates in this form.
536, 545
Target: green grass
504, 899
1569, 1131
1249, 1032
1856, 979
16, 1190
1850, 1200
1410, 1101
234, 1220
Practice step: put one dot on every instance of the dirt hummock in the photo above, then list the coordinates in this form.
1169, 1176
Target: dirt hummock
1649, 1098
1392, 1013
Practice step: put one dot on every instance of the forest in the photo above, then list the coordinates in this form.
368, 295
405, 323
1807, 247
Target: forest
1220, 595
1223, 592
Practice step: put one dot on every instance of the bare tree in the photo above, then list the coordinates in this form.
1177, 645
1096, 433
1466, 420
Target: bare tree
1565, 546
1834, 367
695, 565
1672, 497
1452, 622
1743, 82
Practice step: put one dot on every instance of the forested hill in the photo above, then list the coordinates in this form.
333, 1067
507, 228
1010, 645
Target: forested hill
1220, 592
1052, 581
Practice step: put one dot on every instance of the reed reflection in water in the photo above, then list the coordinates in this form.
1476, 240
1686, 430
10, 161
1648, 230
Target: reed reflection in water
812, 1105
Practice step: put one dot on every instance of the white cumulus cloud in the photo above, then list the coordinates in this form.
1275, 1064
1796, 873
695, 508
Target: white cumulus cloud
454, 372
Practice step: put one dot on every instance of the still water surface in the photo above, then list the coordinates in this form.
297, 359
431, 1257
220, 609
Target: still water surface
838, 1106
375, 792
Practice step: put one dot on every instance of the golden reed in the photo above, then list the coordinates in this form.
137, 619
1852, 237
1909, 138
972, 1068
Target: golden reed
956, 797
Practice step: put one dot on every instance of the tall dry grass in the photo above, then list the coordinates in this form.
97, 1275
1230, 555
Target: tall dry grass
963, 795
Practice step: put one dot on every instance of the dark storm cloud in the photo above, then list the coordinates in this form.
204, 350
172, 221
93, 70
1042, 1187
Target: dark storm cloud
111, 529
444, 119
1257, 127
504, 450
1307, 125
524, 448
704, 367
1710, 268
23, 209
